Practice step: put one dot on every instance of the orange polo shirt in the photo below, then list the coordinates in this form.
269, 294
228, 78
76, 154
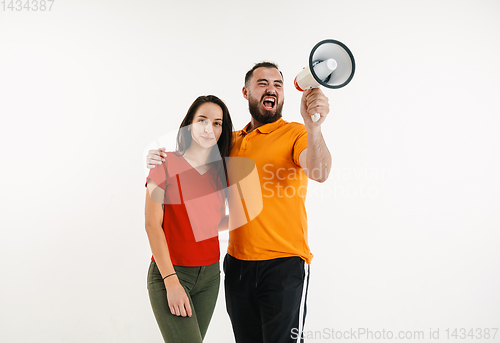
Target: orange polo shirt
280, 230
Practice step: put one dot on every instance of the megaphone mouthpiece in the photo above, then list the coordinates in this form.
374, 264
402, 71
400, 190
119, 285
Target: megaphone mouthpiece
323, 69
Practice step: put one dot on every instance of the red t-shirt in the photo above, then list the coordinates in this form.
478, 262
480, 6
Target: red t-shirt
191, 211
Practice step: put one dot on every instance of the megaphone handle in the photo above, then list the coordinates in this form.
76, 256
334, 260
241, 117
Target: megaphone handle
315, 117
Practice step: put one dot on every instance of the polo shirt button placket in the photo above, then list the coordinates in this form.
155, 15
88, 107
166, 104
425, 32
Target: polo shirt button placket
245, 142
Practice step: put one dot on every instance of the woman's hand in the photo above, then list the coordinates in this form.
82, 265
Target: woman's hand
178, 300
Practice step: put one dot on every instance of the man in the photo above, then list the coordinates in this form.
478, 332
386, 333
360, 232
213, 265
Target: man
267, 263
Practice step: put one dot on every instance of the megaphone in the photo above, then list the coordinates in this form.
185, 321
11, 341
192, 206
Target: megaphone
331, 64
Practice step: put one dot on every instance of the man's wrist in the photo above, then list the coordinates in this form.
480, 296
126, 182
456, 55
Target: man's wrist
314, 130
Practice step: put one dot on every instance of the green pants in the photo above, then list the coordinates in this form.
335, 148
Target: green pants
202, 288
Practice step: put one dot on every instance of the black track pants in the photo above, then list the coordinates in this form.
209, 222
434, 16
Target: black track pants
266, 300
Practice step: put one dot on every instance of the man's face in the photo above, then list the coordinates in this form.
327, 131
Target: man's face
265, 95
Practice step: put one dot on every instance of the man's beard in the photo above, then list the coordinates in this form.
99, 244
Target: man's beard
261, 115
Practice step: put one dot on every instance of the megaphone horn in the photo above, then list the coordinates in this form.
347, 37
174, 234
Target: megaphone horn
331, 64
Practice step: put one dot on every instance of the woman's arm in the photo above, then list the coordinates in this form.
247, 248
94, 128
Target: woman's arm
176, 296
224, 224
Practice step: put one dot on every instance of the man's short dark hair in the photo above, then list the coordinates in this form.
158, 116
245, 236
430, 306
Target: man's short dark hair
264, 64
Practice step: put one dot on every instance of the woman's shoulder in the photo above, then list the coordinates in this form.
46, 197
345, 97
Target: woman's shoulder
173, 156
174, 162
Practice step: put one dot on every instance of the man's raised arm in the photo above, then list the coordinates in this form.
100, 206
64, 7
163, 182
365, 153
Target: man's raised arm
315, 160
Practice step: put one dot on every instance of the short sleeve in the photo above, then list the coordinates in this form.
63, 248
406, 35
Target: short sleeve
158, 175
299, 144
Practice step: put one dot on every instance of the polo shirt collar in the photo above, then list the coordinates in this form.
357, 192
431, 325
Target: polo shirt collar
266, 128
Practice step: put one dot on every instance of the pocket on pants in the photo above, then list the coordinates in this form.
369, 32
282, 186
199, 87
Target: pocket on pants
154, 275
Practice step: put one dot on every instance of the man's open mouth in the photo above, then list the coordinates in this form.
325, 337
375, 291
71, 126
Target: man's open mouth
269, 102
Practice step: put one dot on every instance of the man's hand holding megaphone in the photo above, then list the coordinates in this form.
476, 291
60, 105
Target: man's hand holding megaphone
314, 101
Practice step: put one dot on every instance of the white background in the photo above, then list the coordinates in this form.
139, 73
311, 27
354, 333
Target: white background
405, 232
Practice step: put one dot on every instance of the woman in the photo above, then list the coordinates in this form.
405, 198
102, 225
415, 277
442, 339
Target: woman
185, 204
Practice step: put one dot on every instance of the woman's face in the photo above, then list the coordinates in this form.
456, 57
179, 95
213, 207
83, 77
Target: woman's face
206, 127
